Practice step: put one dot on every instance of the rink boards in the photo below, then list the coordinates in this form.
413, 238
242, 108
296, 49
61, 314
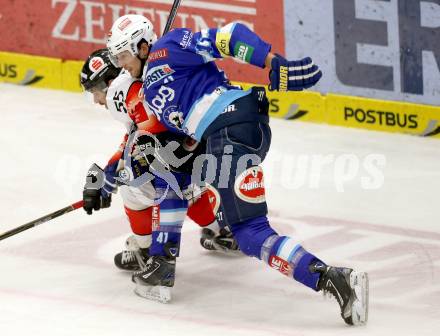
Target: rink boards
332, 109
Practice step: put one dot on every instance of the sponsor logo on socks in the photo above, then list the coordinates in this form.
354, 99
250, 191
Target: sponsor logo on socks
280, 265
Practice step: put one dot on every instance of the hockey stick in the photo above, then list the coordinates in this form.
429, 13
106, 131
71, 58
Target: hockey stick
42, 220
172, 16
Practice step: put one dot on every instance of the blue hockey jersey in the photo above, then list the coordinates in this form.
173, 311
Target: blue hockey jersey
183, 86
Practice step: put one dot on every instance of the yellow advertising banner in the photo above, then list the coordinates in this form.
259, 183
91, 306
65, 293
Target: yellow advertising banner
36, 71
347, 111
381, 115
71, 76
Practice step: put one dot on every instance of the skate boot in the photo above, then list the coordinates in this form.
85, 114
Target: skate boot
154, 282
133, 258
222, 241
350, 288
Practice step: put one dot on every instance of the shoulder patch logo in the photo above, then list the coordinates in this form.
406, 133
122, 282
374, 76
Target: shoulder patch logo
158, 54
222, 43
243, 52
186, 39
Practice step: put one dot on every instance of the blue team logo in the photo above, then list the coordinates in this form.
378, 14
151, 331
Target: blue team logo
173, 117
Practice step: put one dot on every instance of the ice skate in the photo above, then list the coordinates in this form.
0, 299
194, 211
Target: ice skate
133, 258
222, 241
156, 280
350, 288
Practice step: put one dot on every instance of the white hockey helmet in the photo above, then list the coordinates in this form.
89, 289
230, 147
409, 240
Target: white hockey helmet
127, 32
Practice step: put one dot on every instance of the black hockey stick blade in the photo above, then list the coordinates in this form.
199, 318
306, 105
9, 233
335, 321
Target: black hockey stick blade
172, 16
42, 220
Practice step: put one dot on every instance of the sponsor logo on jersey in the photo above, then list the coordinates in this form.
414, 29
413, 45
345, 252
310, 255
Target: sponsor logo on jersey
157, 104
124, 24
280, 265
96, 64
186, 39
158, 54
223, 38
243, 52
249, 185
156, 74
230, 108
222, 43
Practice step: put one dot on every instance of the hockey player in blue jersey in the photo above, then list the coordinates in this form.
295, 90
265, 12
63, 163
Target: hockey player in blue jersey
187, 92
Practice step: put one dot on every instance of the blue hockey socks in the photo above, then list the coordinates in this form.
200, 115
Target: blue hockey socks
257, 239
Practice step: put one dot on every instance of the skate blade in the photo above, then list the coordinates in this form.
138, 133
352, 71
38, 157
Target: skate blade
359, 309
156, 293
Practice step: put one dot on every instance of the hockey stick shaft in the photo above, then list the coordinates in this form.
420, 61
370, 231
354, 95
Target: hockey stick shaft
172, 16
42, 220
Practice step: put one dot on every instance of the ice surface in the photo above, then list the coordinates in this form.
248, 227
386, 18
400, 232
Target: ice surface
59, 278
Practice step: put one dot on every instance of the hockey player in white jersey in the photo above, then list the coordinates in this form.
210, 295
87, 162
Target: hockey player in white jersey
113, 88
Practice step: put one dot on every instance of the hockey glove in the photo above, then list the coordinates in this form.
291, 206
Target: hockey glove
293, 75
92, 193
109, 179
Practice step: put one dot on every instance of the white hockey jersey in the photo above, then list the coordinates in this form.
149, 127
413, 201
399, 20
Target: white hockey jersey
126, 106
116, 98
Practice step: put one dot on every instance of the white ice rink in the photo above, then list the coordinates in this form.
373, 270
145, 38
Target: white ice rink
373, 205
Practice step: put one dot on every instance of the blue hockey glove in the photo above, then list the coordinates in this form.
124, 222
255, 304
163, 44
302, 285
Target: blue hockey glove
293, 75
109, 180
